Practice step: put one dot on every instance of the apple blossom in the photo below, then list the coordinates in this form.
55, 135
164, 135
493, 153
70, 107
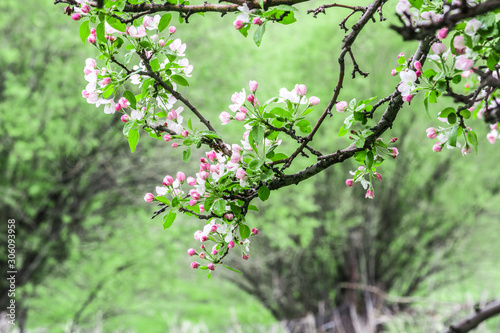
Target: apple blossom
459, 44
172, 29
257, 21
255, 231
195, 265
472, 27
149, 197
253, 85
167, 137
245, 256
300, 89
230, 245
181, 177
438, 48
175, 145
76, 17
225, 117
438, 147
313, 100
161, 42
124, 118
349, 182
210, 266
394, 72
341, 106
442, 33
240, 116
369, 194
238, 24
431, 133
462, 63
191, 252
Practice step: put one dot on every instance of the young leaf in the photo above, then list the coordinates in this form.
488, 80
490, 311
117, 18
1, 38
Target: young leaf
133, 138
452, 138
164, 22
84, 31
259, 33
100, 32
253, 207
264, 193
244, 231
232, 269
180, 80
186, 155
472, 137
219, 206
169, 219
131, 98
343, 131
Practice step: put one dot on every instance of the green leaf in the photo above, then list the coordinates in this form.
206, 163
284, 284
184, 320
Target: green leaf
128, 126
343, 131
117, 24
472, 137
267, 175
155, 64
100, 32
232, 269
259, 33
244, 231
179, 79
164, 22
452, 138
169, 219
360, 143
452, 118
279, 156
360, 156
304, 125
257, 133
433, 97
253, 207
133, 138
369, 159
244, 30
446, 112
209, 275
84, 31
401, 60
465, 113
255, 165
417, 3
281, 112
219, 206
426, 105
264, 193
163, 200
186, 155
492, 61
288, 19
131, 98
428, 73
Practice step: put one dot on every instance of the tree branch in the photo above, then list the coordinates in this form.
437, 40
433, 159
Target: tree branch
473, 320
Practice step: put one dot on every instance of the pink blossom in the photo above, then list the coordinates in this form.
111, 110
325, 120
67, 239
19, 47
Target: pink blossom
191, 252
210, 266
149, 197
459, 44
192, 202
172, 29
253, 85
230, 245
104, 82
394, 140
92, 39
124, 103
245, 256
341, 106
214, 251
313, 100
168, 180
202, 208
191, 181
118, 107
431, 133
418, 65
214, 227
437, 147
211, 155
240, 173
161, 42
175, 145
238, 24
203, 238
394, 151
370, 194
185, 134
181, 177
240, 116
378, 176
167, 137
255, 231
257, 21
178, 47
225, 117
401, 55
300, 89
228, 216
204, 167
349, 182
492, 137
85, 9
408, 98
202, 255
195, 265
250, 98
136, 32
438, 48
204, 175
172, 115
125, 118
76, 17
442, 33
466, 150
462, 63
394, 72
418, 73
235, 157
195, 195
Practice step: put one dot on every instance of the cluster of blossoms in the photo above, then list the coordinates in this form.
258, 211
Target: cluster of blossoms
244, 18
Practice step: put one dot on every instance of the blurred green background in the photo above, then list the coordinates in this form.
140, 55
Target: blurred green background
91, 260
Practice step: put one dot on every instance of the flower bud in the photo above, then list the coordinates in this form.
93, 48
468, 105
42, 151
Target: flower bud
185, 134
245, 256
125, 118
250, 98
167, 137
313, 100
438, 48
181, 177
394, 72
175, 145
349, 182
370, 194
195, 265
161, 42
378, 176
202, 255
300, 89
191, 252
418, 65
230, 245
341, 106
257, 21
438, 147
442, 33
431, 133
238, 24
92, 39
228, 216
210, 266
253, 85
85, 9
191, 181
255, 231
168, 180
172, 29
149, 197
240, 116
76, 17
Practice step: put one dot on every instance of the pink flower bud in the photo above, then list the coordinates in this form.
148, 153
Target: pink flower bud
300, 89
255, 231
211, 155
378, 176
202, 255
245, 256
438, 48
394, 140
118, 107
228, 216
370, 194
125, 118
161, 42
214, 251
172, 29
466, 150
240, 173
418, 73
181, 176
192, 202
85, 9
250, 98
438, 147
185, 134
225, 117
236, 157
167, 137
231, 244
172, 115
442, 33
349, 182
124, 102
466, 85
93, 31
431, 133
168, 180
395, 152
203, 238
195, 195
257, 21
92, 39
408, 98
240, 116
341, 106
202, 208
191, 252
401, 55
76, 17
253, 85
313, 100
175, 145
191, 181
195, 265
149, 197
417, 65
459, 44
210, 266
238, 24
204, 175
202, 246
394, 72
